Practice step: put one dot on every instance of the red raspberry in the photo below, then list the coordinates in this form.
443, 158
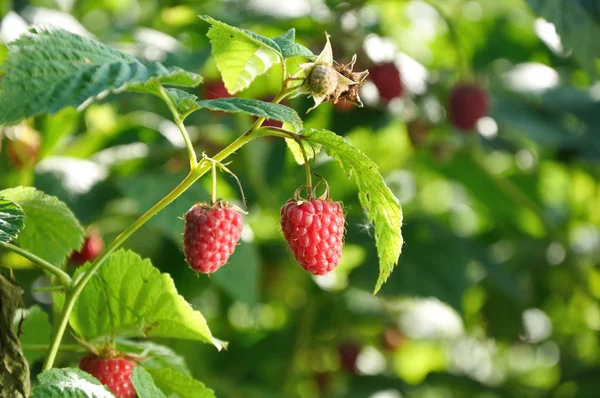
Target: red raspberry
314, 230
92, 248
467, 104
349, 352
114, 373
214, 90
210, 235
386, 78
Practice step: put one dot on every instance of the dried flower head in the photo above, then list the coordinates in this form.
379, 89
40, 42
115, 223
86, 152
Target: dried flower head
327, 82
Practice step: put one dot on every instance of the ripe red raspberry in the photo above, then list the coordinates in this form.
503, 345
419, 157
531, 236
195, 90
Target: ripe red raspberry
467, 104
314, 229
92, 248
214, 90
210, 235
386, 78
114, 373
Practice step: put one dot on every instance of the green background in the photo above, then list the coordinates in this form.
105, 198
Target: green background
497, 291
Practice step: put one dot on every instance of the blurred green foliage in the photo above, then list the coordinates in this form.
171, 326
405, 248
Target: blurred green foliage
497, 291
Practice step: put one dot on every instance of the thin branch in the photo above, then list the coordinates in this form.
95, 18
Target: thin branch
62, 276
179, 122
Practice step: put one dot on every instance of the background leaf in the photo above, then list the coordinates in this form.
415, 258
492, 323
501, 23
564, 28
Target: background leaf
49, 69
240, 57
577, 26
72, 383
11, 220
132, 298
159, 356
382, 207
289, 48
51, 230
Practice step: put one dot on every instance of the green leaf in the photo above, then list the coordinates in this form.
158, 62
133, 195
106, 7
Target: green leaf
382, 207
144, 385
240, 55
182, 385
71, 383
51, 230
36, 331
131, 298
159, 356
187, 103
49, 69
310, 150
577, 26
289, 48
11, 220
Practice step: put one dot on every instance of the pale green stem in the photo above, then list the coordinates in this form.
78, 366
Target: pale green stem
62, 276
213, 194
49, 289
179, 122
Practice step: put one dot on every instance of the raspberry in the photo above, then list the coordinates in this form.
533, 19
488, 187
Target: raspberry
323, 80
467, 104
210, 235
214, 90
314, 229
272, 123
92, 247
386, 78
114, 373
348, 353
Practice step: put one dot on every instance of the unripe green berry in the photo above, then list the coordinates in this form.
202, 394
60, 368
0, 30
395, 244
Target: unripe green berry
322, 80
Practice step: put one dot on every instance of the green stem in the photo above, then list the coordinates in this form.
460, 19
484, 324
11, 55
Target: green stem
62, 276
49, 289
179, 122
213, 194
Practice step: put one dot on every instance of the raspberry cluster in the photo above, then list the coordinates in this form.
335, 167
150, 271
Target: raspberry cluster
114, 373
210, 235
314, 230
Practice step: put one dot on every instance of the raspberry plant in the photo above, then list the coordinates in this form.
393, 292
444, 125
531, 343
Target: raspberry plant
118, 294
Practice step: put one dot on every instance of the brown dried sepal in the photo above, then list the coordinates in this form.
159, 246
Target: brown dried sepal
348, 92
